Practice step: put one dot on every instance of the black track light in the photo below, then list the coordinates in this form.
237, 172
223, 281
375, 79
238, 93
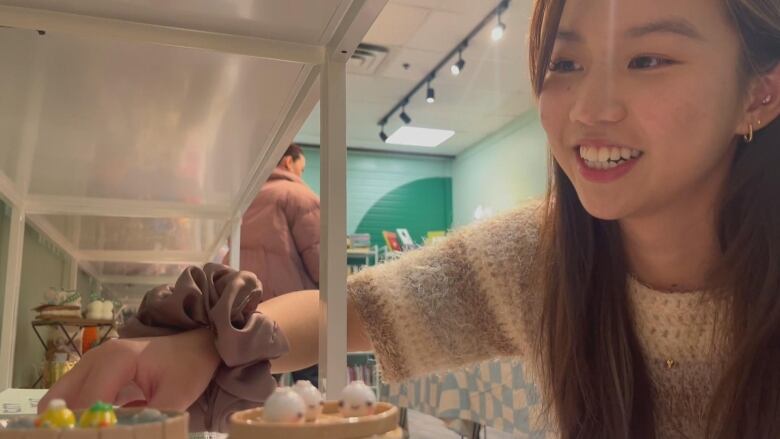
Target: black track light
382, 135
404, 117
498, 32
454, 59
430, 95
456, 68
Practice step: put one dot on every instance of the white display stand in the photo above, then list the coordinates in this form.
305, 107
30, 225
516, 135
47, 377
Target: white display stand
138, 132
17, 402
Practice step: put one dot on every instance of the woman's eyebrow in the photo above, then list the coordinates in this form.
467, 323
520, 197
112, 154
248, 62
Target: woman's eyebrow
675, 26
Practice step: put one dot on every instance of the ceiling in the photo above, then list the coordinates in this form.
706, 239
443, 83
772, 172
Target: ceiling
492, 91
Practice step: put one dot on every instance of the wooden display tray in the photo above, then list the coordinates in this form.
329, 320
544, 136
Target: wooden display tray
175, 427
383, 424
40, 308
70, 321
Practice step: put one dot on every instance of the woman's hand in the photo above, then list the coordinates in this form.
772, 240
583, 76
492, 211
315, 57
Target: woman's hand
171, 372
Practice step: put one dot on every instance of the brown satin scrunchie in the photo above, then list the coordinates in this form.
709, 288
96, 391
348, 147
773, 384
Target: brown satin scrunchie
224, 300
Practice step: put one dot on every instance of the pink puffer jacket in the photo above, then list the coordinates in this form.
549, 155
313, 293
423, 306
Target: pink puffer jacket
280, 236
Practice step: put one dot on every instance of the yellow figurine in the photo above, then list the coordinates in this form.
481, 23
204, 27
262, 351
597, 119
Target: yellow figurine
57, 415
100, 414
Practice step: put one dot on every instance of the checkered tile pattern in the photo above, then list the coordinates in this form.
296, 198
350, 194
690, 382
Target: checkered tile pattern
494, 393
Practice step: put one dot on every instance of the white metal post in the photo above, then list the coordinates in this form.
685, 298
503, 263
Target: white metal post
13, 275
235, 245
72, 281
74, 228
333, 229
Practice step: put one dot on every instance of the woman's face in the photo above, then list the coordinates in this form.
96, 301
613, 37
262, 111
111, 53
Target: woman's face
643, 102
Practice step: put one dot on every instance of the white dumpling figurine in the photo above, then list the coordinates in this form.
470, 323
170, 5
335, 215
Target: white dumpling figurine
311, 397
284, 406
107, 310
357, 399
95, 310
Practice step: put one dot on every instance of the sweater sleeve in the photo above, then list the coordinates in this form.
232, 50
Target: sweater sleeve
464, 299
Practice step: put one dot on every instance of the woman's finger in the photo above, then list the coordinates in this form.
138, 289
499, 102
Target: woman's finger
68, 386
106, 379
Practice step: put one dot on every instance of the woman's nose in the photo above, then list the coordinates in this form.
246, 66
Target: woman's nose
597, 101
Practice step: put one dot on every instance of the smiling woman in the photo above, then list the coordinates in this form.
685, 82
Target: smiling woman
645, 105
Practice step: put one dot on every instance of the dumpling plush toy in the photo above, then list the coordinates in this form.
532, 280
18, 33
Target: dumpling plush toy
357, 399
311, 397
100, 310
284, 406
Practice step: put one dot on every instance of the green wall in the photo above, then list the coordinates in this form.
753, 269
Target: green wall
419, 206
386, 191
43, 266
502, 171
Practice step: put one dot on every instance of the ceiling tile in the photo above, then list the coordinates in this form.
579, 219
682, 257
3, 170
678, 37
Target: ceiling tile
396, 24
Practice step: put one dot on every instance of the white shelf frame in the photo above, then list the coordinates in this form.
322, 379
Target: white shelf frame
323, 72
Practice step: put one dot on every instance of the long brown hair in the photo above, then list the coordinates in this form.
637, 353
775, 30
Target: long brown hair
595, 376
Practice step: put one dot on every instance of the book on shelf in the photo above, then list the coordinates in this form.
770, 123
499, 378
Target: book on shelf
359, 240
391, 239
406, 241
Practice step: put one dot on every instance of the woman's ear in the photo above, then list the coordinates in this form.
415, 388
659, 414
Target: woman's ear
763, 105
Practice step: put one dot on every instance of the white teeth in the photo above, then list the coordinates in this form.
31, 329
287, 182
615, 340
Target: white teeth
591, 154
606, 157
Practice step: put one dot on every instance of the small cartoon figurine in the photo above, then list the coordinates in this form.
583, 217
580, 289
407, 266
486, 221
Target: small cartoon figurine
57, 415
99, 415
357, 399
311, 397
284, 405
148, 415
100, 310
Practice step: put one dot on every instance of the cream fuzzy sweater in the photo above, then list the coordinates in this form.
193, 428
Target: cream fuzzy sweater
470, 298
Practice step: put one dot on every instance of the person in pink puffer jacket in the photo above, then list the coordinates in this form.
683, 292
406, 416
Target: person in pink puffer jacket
280, 234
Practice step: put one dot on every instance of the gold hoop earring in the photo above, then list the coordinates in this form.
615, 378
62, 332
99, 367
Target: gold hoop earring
749, 136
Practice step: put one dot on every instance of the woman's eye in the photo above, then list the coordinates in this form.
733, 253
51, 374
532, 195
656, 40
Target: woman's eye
564, 66
648, 62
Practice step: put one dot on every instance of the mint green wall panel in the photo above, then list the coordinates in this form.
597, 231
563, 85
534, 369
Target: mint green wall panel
419, 206
311, 175
504, 170
373, 176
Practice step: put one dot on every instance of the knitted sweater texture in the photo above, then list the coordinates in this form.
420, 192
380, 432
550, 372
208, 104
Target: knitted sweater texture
471, 297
